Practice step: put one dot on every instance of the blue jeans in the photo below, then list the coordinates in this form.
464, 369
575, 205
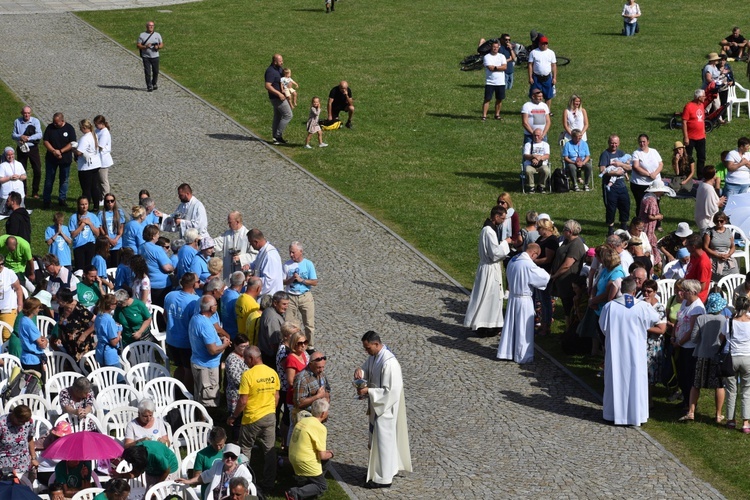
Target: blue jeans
49, 180
508, 81
616, 198
630, 28
730, 189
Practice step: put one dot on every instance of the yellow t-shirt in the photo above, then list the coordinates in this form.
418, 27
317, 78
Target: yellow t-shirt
242, 308
252, 327
308, 438
260, 383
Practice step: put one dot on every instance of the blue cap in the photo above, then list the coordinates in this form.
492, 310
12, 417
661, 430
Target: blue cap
682, 253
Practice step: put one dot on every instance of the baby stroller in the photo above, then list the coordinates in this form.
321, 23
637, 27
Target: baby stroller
712, 119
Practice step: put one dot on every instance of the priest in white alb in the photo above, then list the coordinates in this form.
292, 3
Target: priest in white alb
624, 322
517, 340
485, 308
190, 213
389, 436
233, 246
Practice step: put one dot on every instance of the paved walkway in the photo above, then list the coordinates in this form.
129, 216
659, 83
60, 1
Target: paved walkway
479, 428
48, 6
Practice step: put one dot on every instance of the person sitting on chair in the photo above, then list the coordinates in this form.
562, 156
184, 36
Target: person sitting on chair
536, 161
576, 156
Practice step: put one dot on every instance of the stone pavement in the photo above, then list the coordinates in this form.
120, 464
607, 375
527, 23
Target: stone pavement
47, 6
479, 427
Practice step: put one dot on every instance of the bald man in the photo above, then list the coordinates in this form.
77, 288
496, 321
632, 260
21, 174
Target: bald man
282, 111
340, 99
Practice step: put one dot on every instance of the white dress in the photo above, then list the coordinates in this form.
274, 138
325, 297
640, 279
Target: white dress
517, 340
485, 308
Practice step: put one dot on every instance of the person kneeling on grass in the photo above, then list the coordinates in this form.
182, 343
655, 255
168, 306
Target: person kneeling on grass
307, 450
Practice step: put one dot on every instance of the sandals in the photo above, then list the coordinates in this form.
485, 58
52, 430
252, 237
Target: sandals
746, 430
690, 418
498, 117
720, 419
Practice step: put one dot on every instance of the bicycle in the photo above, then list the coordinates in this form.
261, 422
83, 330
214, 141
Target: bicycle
473, 62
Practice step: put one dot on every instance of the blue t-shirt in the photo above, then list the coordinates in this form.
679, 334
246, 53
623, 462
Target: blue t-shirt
173, 258
575, 151
177, 308
132, 235
195, 308
185, 256
101, 266
151, 219
86, 235
605, 276
106, 330
59, 248
29, 334
227, 313
123, 276
202, 332
199, 266
306, 271
156, 257
107, 220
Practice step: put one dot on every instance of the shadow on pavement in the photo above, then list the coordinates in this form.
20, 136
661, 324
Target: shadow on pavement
557, 405
233, 137
439, 286
122, 87
353, 475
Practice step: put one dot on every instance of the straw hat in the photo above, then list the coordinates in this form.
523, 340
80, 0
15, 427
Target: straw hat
713, 56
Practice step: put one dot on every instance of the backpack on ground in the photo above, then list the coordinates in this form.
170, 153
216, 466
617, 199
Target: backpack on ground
22, 382
560, 182
334, 124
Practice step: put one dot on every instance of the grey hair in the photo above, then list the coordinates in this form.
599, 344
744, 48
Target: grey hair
214, 284
576, 131
82, 385
280, 295
296, 244
191, 235
288, 328
207, 302
573, 226
319, 407
254, 281
699, 93
265, 302
147, 202
122, 295
146, 404
216, 434
628, 285
238, 481
237, 278
693, 286
177, 244
614, 240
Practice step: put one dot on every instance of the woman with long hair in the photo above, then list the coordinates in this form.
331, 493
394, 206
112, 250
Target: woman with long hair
737, 332
105, 151
141, 284
575, 117
89, 163
113, 225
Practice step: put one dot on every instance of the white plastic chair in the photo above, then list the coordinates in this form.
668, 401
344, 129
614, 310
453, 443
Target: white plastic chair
111, 274
88, 363
143, 351
87, 494
55, 384
142, 373
137, 484
734, 99
162, 490
39, 406
162, 391
81, 424
117, 420
5, 326
9, 363
42, 426
161, 336
187, 409
666, 290
186, 463
106, 376
45, 325
727, 284
58, 362
192, 437
114, 396
741, 254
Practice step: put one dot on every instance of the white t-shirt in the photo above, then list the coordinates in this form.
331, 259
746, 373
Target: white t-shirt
740, 341
139, 286
575, 121
649, 161
7, 169
494, 77
537, 115
105, 147
631, 10
742, 174
90, 158
535, 148
8, 298
135, 432
683, 319
542, 61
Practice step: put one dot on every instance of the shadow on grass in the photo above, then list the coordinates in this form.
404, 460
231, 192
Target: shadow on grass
609, 33
495, 179
472, 85
233, 137
308, 10
454, 117
121, 87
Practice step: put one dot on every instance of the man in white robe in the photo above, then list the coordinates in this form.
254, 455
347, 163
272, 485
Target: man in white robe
235, 250
192, 214
389, 436
267, 264
485, 308
517, 340
624, 322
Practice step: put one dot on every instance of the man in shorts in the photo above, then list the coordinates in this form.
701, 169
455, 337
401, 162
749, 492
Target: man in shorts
495, 65
734, 45
543, 70
340, 100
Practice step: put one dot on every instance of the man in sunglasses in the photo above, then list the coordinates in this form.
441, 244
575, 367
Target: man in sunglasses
311, 384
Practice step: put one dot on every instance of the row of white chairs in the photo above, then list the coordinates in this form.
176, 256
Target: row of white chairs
158, 491
727, 285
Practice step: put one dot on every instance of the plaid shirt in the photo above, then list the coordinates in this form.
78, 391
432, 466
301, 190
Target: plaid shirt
307, 384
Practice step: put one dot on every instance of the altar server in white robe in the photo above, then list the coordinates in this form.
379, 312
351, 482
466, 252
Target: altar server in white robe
485, 308
517, 340
389, 436
624, 322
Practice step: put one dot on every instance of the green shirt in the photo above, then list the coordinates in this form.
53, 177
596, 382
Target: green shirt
88, 296
160, 458
131, 318
14, 345
101, 496
204, 460
16, 261
73, 477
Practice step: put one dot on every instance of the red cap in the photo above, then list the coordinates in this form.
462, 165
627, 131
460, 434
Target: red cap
543, 39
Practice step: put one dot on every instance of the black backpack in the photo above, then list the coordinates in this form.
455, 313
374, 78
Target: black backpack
560, 181
26, 382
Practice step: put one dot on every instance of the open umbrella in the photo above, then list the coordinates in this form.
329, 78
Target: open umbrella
12, 491
84, 445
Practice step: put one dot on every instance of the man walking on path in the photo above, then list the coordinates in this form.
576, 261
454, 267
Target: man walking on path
389, 435
27, 132
282, 112
149, 44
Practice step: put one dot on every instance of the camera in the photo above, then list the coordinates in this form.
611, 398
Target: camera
234, 251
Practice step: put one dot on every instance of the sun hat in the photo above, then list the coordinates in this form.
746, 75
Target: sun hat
543, 216
62, 429
678, 145
713, 56
233, 449
591, 252
715, 303
683, 230
658, 186
682, 253
44, 297
207, 242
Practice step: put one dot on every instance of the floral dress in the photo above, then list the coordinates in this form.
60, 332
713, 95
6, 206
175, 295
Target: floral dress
650, 206
14, 444
88, 401
655, 348
235, 367
70, 329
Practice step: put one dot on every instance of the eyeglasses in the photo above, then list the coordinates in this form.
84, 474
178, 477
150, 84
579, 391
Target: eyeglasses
647, 290
302, 342
721, 221
322, 358
109, 201
230, 457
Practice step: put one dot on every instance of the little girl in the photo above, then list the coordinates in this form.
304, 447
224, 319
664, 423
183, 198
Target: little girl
313, 125
286, 85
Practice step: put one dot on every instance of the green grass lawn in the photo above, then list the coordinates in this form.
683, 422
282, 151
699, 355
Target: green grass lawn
419, 158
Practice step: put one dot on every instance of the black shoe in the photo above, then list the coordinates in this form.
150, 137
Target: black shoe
46, 205
370, 485
280, 140
349, 124
63, 203
150, 89
155, 87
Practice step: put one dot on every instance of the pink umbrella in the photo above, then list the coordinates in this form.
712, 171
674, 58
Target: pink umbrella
84, 445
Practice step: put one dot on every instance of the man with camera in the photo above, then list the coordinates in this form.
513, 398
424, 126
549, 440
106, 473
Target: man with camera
340, 99
150, 43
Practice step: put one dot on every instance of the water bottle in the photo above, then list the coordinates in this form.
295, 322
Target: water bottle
554, 90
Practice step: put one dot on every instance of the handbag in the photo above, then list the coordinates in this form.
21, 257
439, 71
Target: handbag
726, 369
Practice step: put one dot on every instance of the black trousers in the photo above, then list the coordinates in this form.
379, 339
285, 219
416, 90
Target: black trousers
699, 145
36, 167
89, 180
151, 70
83, 255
